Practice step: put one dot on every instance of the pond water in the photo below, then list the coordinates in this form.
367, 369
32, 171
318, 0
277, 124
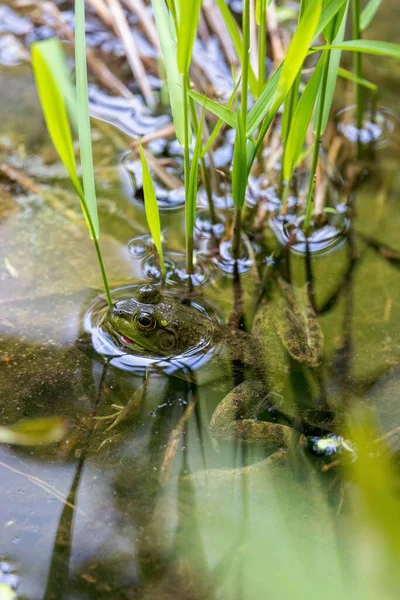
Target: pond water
156, 506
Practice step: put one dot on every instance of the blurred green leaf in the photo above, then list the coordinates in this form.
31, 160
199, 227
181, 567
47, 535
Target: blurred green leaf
151, 207
6, 593
82, 96
34, 432
361, 81
301, 121
328, 12
169, 55
369, 12
189, 12
365, 46
56, 61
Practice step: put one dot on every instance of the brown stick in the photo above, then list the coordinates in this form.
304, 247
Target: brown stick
139, 9
217, 26
96, 66
100, 7
124, 33
278, 52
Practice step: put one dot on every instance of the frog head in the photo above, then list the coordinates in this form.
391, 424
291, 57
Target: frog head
156, 323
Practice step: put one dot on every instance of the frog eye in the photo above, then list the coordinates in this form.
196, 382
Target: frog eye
145, 322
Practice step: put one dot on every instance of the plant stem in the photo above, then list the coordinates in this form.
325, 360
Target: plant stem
237, 225
204, 172
186, 163
311, 185
262, 45
245, 59
243, 113
357, 62
103, 271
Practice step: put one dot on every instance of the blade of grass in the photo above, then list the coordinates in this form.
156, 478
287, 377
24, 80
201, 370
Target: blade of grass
239, 166
367, 46
369, 12
301, 121
237, 41
345, 74
297, 50
151, 208
337, 36
328, 12
82, 97
169, 55
55, 59
55, 113
222, 112
189, 12
191, 200
220, 121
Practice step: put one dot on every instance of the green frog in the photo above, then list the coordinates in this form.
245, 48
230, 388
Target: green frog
164, 327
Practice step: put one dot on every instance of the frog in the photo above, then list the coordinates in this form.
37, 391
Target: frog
162, 326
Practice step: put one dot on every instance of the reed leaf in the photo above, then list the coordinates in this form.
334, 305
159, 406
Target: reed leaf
151, 208
301, 121
262, 105
237, 41
220, 121
345, 74
82, 97
191, 200
369, 12
297, 50
336, 37
222, 112
189, 12
328, 13
366, 46
54, 112
239, 167
169, 55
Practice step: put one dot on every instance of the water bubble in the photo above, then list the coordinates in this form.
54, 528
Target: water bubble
139, 246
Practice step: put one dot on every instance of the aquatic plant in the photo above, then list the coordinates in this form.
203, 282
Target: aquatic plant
48, 76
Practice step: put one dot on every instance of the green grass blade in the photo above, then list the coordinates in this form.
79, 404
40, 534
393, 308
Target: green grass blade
151, 208
369, 12
188, 21
55, 59
239, 167
297, 50
220, 122
85, 137
360, 81
191, 200
169, 55
237, 41
328, 12
301, 121
261, 107
338, 32
227, 116
366, 46
54, 112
